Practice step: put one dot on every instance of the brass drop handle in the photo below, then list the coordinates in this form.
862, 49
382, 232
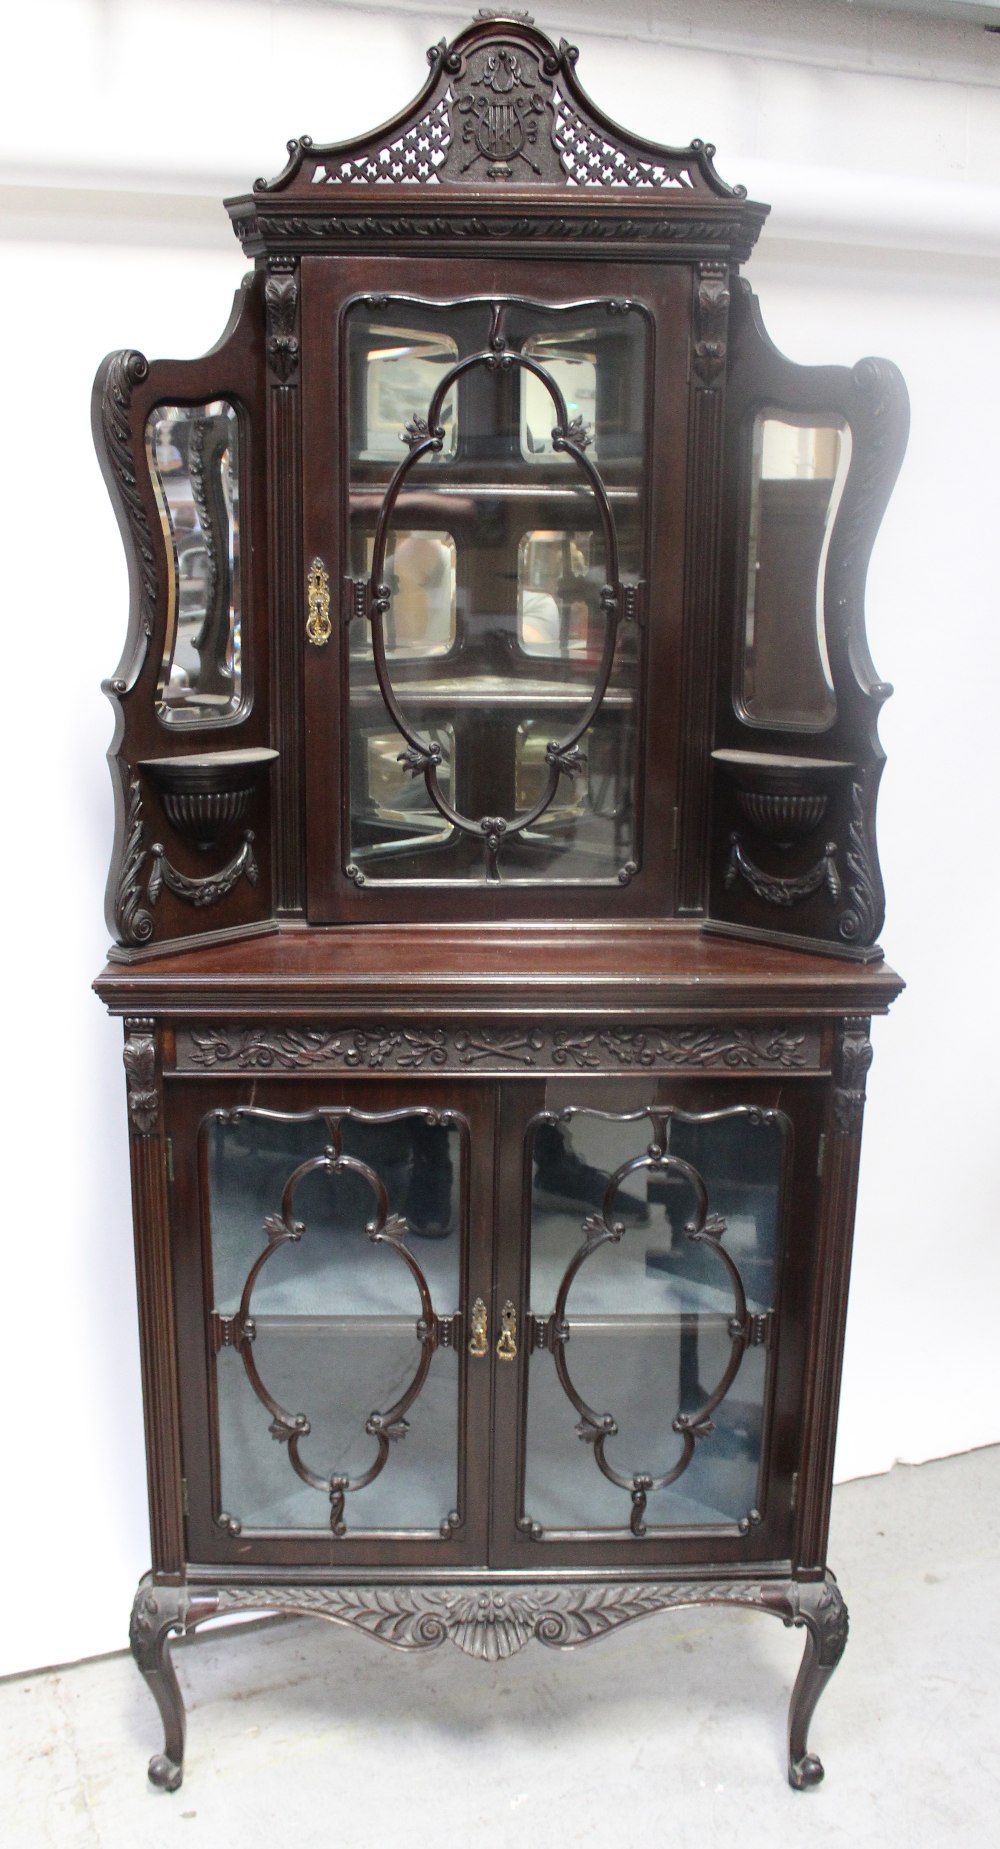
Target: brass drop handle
507, 1343
479, 1340
318, 625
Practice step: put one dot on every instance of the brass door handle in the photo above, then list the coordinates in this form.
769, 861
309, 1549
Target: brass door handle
507, 1342
479, 1340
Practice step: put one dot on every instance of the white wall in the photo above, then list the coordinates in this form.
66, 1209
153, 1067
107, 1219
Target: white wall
127, 120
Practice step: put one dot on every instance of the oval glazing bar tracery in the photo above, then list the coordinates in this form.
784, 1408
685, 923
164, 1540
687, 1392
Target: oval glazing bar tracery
385, 1229
596, 1428
425, 437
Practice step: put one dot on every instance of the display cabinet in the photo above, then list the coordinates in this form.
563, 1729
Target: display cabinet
495, 895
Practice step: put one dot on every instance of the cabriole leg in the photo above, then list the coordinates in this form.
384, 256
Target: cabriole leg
821, 1609
157, 1611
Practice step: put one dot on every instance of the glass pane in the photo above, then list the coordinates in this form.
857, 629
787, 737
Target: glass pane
555, 594
495, 618
335, 1318
572, 363
420, 570
393, 813
193, 457
400, 369
649, 1315
798, 474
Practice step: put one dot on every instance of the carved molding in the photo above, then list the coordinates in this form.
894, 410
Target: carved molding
139, 1059
297, 228
587, 1047
207, 889
854, 1057
281, 301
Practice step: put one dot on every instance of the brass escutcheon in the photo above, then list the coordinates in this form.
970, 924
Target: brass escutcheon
479, 1339
507, 1344
318, 626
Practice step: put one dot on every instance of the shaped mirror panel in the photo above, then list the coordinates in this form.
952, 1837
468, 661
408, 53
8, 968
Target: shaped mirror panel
798, 471
194, 460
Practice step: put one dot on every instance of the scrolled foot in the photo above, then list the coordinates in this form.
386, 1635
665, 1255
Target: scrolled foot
805, 1772
164, 1774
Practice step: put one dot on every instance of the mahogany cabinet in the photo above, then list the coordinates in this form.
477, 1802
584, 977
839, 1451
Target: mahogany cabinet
495, 896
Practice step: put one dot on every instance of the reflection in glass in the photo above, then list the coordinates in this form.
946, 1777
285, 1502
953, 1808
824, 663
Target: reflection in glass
402, 367
193, 457
557, 592
420, 570
649, 1317
572, 363
797, 478
497, 625
335, 1318
394, 813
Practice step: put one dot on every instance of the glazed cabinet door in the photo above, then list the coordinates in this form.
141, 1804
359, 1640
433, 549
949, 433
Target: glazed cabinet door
331, 1250
659, 1297
483, 551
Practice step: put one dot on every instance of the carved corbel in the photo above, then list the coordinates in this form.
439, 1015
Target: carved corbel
139, 1058
281, 302
711, 321
854, 1056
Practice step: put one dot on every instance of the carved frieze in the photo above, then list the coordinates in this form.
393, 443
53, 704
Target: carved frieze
491, 1625
486, 1047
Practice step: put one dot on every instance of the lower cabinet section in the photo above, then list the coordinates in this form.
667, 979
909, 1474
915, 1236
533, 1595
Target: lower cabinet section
481, 1358
532, 1324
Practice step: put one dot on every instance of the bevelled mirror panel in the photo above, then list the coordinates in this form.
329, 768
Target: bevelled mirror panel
798, 469
193, 452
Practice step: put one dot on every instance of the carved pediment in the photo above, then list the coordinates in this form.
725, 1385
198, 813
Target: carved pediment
502, 108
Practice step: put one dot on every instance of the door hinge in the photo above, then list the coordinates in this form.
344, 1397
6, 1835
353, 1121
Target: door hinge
820, 1153
185, 1500
793, 1505
170, 1158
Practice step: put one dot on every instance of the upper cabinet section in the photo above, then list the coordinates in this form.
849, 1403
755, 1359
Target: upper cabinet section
502, 124
494, 567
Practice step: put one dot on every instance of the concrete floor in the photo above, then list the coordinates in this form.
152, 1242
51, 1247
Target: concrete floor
303, 1734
